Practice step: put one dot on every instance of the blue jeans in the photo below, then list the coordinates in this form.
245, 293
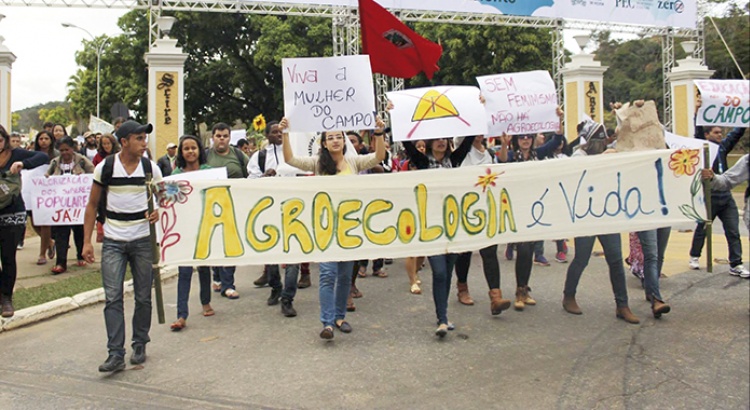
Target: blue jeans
654, 244
183, 288
115, 256
612, 245
723, 206
225, 275
442, 270
291, 273
335, 284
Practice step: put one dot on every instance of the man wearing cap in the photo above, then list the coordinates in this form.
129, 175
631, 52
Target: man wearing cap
121, 179
88, 149
166, 163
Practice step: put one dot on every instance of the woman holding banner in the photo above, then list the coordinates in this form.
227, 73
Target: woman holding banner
439, 155
69, 162
191, 157
12, 212
45, 142
335, 277
522, 152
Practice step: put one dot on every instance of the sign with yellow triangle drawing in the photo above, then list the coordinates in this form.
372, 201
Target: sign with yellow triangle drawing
434, 105
436, 112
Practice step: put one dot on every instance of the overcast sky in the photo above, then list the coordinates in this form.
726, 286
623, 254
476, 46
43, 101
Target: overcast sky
45, 50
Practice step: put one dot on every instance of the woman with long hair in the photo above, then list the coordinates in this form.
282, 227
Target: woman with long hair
335, 277
191, 157
45, 142
12, 213
68, 162
107, 146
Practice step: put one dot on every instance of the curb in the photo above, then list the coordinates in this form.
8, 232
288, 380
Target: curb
34, 314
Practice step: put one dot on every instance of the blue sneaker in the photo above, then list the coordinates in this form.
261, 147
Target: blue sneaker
541, 260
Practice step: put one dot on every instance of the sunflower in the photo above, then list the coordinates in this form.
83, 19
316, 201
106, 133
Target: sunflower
259, 123
684, 162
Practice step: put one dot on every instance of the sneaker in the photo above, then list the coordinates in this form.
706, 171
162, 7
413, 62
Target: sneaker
694, 264
509, 252
113, 363
740, 271
541, 260
275, 297
20, 246
561, 257
139, 354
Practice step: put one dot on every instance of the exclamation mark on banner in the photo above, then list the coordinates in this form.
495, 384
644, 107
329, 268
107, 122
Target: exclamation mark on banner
660, 185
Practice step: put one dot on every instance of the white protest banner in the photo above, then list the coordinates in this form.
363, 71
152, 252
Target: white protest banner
27, 192
323, 218
436, 112
59, 200
236, 135
328, 93
97, 124
203, 174
675, 141
724, 102
520, 103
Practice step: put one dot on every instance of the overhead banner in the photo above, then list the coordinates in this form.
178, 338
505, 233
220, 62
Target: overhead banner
724, 103
328, 93
335, 218
436, 112
663, 13
58, 200
520, 103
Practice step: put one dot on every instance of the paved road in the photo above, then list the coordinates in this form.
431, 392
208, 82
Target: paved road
250, 356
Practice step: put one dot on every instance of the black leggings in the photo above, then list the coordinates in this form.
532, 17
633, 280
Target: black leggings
490, 264
61, 235
9, 237
524, 261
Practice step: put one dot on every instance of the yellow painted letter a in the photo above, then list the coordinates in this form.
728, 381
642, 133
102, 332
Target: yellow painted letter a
218, 199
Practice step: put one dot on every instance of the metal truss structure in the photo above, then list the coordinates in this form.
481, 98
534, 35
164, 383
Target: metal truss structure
346, 29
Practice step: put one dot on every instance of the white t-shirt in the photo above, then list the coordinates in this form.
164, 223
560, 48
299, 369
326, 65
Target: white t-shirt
91, 153
126, 199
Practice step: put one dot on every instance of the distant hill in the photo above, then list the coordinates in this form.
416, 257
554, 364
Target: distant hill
30, 116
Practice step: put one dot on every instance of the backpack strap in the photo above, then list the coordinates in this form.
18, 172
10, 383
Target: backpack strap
240, 158
262, 160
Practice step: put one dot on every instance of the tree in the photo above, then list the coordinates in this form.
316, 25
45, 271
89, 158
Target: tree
15, 119
57, 115
735, 27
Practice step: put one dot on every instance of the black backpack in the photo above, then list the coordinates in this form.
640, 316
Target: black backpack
107, 170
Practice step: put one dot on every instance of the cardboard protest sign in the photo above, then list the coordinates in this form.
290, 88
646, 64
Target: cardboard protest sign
724, 102
27, 193
436, 112
59, 200
520, 103
675, 141
320, 218
639, 128
328, 93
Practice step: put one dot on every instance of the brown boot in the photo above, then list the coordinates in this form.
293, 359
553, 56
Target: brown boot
658, 307
304, 281
263, 279
497, 303
570, 305
350, 303
463, 294
625, 314
528, 300
520, 297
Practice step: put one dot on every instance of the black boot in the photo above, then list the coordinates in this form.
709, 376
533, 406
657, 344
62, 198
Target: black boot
263, 279
274, 298
139, 354
287, 309
113, 363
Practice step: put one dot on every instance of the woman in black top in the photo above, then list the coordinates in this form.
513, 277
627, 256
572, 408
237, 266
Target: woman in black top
13, 215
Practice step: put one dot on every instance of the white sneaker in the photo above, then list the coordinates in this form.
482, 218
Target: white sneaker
740, 271
694, 264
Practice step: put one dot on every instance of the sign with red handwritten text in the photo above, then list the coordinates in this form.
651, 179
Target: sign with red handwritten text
328, 93
59, 200
520, 103
725, 103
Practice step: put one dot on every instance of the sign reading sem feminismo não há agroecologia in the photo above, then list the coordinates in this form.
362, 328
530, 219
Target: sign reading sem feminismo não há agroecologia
333, 218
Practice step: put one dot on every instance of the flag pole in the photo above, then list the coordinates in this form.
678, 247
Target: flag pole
709, 221
155, 259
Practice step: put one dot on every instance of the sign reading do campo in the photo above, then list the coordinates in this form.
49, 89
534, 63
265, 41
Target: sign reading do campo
724, 103
328, 93
332, 218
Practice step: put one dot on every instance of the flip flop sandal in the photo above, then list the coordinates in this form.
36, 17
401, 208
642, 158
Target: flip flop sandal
231, 294
208, 311
41, 261
362, 272
178, 325
415, 289
58, 270
380, 274
81, 263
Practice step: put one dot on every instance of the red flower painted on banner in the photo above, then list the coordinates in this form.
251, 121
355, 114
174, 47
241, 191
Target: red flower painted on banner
485, 181
684, 162
173, 192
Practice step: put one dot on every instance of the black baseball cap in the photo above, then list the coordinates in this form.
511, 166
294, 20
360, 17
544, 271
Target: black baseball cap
132, 127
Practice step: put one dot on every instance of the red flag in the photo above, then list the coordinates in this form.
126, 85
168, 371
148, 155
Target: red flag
395, 50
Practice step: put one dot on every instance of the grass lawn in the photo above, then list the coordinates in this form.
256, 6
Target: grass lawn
23, 298
731, 160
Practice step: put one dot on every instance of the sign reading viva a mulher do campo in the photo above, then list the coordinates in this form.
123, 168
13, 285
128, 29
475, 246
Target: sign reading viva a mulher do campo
328, 93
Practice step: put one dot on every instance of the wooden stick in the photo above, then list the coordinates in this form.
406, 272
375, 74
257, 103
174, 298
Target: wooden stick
709, 221
155, 269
